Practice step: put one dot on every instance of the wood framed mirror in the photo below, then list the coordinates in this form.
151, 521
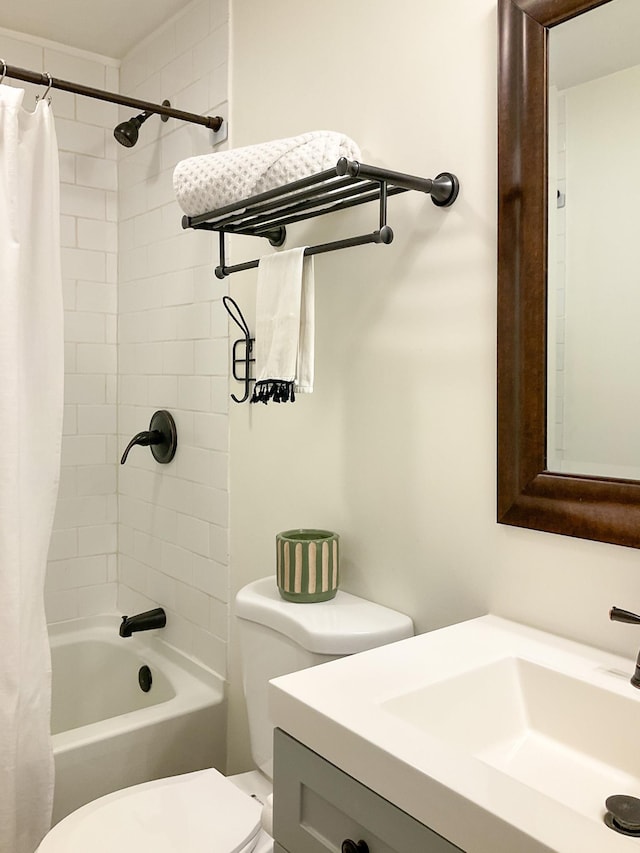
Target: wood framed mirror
601, 508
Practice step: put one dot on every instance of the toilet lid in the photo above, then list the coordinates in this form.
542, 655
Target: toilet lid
198, 812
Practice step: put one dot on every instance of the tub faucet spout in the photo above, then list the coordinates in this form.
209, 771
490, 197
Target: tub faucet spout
146, 621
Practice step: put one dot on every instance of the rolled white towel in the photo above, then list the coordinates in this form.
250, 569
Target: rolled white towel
211, 181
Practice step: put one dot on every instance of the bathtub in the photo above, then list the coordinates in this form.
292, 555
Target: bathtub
107, 732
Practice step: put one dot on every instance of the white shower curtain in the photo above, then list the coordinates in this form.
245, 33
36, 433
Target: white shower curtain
31, 387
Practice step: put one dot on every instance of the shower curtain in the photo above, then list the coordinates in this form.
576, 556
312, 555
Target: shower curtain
31, 380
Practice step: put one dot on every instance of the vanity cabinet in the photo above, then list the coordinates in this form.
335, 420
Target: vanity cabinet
320, 809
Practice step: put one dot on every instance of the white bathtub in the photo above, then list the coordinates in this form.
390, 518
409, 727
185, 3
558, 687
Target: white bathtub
108, 733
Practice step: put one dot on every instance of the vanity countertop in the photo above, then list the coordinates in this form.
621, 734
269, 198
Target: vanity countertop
501, 738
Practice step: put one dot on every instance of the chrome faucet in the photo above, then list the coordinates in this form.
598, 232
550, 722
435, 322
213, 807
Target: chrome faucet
146, 621
618, 615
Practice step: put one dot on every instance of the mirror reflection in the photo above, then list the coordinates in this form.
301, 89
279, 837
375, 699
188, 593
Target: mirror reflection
593, 299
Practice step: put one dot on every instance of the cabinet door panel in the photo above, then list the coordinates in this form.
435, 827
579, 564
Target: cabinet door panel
317, 807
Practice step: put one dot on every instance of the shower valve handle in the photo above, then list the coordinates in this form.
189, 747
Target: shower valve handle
144, 439
161, 437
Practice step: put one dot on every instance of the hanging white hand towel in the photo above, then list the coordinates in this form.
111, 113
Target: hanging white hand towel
284, 327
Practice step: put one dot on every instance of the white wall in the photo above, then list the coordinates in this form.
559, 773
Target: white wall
81, 573
557, 276
172, 347
602, 346
396, 447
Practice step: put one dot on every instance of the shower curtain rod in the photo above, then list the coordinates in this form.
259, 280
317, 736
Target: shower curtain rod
212, 122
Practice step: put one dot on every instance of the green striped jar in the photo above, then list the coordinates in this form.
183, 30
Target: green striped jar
307, 565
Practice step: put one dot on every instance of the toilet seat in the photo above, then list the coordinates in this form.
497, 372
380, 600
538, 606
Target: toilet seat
193, 813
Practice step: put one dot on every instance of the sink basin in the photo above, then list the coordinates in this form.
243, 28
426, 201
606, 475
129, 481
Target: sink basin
540, 726
501, 738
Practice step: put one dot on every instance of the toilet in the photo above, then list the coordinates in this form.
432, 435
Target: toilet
205, 811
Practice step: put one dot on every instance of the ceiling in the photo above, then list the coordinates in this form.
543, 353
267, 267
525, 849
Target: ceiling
108, 27
595, 45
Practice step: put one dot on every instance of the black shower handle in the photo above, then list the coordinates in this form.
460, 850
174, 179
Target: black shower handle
144, 439
161, 436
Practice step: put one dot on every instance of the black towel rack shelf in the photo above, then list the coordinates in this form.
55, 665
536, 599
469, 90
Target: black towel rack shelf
348, 184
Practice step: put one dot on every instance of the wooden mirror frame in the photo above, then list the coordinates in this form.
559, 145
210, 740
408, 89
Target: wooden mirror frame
607, 510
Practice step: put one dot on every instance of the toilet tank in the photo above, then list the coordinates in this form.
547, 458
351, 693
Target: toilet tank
278, 637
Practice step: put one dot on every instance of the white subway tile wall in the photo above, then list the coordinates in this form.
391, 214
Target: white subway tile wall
145, 329
172, 346
82, 567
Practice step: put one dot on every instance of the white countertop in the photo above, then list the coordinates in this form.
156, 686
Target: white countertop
343, 711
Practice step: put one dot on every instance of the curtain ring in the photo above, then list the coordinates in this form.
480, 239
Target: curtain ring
4, 71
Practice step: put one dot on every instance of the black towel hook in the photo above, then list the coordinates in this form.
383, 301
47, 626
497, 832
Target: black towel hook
233, 310
236, 315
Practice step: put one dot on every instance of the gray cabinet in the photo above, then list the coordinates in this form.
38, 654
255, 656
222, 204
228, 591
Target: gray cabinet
317, 807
